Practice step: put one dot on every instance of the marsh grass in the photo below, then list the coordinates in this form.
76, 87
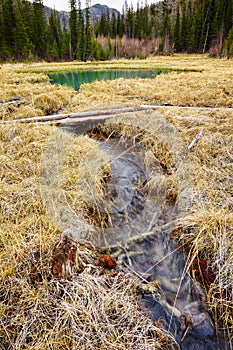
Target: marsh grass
97, 309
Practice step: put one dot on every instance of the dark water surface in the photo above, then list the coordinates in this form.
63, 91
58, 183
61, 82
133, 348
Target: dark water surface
75, 79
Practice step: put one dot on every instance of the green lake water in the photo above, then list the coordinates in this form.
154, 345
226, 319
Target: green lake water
75, 79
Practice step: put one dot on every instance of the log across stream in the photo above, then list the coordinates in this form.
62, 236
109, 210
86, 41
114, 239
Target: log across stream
139, 236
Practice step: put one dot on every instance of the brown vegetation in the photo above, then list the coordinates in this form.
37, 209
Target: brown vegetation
95, 309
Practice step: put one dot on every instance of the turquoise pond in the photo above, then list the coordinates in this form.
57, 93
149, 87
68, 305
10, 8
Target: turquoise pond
75, 79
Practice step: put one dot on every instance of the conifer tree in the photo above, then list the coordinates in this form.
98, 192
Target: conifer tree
73, 28
120, 25
87, 49
1, 29
21, 40
138, 22
229, 44
146, 26
228, 18
81, 33
54, 36
177, 32
190, 28
113, 26
103, 25
130, 23
195, 26
165, 45
39, 29
8, 20
154, 13
183, 28
65, 42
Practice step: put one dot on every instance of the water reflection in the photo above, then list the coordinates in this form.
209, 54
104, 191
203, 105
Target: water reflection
75, 79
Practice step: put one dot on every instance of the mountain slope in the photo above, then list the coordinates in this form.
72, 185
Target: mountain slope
96, 12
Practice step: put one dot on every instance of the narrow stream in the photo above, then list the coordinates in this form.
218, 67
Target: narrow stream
155, 258
141, 225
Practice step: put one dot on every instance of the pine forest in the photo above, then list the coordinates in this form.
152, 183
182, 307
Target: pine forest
28, 32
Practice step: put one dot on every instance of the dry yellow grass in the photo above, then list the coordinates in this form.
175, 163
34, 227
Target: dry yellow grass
36, 310
95, 310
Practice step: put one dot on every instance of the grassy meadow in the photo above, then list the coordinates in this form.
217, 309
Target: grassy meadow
98, 309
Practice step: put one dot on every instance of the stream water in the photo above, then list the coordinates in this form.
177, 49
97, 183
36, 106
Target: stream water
134, 211
140, 222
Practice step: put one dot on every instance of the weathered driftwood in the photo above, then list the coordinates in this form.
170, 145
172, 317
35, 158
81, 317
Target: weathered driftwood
55, 117
100, 114
11, 100
187, 107
194, 141
76, 121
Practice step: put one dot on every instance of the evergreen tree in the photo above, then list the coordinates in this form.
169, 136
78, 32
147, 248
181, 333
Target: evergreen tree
8, 20
190, 28
113, 26
229, 44
87, 49
177, 31
54, 36
130, 24
155, 28
120, 25
228, 16
184, 28
146, 23
103, 25
138, 23
28, 20
109, 51
73, 28
65, 42
195, 26
165, 45
108, 23
81, 33
39, 29
22, 43
1, 23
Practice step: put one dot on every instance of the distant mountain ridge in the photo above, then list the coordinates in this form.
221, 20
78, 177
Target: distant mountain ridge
97, 11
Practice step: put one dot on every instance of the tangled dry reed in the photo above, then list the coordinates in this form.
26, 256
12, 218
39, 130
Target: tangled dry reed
96, 309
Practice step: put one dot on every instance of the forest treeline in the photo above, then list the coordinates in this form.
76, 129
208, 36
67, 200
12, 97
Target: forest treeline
28, 32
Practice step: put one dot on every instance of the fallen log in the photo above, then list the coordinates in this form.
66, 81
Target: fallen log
50, 119
207, 108
55, 117
83, 120
11, 100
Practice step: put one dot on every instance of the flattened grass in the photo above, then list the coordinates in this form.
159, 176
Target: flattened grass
95, 310
37, 310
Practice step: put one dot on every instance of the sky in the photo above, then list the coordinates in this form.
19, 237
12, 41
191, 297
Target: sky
117, 4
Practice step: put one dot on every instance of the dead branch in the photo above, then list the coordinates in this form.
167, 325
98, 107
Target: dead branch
52, 119
87, 114
194, 141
